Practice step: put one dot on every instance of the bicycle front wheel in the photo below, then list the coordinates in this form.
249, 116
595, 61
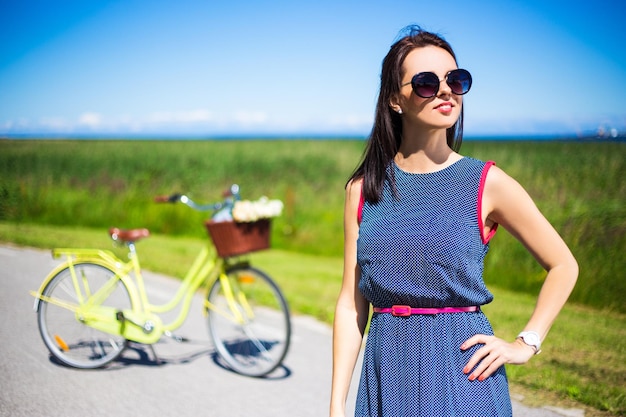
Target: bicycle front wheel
65, 332
249, 321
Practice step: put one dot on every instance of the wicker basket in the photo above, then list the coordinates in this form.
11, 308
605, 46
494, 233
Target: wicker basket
232, 238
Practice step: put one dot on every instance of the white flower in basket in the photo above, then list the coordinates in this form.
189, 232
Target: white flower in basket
245, 211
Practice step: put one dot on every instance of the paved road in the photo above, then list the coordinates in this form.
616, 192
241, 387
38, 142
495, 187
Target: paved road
189, 382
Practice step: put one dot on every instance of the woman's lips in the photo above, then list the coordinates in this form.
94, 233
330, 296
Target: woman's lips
445, 107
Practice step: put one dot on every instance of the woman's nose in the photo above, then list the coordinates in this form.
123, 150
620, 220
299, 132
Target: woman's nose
444, 88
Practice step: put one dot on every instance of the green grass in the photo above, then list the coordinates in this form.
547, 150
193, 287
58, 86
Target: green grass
97, 184
583, 361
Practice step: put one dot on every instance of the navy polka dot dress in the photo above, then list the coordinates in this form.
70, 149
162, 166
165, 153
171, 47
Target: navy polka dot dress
424, 248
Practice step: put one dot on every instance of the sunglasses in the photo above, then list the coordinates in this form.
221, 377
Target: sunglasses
426, 84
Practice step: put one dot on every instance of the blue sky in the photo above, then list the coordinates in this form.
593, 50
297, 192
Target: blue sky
211, 68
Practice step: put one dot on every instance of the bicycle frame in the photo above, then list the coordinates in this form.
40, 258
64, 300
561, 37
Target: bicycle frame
145, 324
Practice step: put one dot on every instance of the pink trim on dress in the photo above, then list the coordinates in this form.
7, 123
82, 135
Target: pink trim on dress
359, 215
481, 188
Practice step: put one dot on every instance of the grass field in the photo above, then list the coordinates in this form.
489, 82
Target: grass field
67, 193
578, 185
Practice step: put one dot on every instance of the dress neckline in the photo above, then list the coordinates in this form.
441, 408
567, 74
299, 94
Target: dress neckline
397, 168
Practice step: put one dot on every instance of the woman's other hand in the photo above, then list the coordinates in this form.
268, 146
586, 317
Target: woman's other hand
493, 354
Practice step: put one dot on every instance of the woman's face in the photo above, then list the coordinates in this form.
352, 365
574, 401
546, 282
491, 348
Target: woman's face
438, 112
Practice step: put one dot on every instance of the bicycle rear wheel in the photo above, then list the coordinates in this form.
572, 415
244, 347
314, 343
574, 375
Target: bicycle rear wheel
249, 321
64, 332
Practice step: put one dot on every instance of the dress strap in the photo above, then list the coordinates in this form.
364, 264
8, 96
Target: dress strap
359, 215
479, 205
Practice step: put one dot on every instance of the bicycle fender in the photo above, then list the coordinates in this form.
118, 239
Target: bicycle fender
87, 255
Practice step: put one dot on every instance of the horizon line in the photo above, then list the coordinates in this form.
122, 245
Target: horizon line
304, 136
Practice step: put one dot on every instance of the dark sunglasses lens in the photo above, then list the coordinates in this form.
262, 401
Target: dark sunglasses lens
425, 84
460, 81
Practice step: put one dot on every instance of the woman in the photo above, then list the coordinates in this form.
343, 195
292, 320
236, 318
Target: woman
418, 220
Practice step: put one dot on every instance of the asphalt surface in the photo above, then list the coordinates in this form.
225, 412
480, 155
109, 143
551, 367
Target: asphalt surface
188, 379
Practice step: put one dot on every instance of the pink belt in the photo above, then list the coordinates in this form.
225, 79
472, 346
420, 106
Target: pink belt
405, 311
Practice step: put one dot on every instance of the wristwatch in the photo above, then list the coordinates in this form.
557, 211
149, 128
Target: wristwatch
531, 339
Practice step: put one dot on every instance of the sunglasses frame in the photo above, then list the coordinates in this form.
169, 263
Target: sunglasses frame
461, 70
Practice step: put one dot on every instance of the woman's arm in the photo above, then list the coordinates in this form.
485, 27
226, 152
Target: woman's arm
507, 203
351, 312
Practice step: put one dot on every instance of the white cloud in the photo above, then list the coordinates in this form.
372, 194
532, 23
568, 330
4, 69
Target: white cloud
352, 122
249, 122
250, 117
90, 119
196, 121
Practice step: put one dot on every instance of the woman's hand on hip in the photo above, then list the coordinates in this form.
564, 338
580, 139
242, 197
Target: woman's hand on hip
493, 354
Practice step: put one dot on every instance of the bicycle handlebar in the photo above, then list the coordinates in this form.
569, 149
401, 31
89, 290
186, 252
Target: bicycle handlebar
233, 191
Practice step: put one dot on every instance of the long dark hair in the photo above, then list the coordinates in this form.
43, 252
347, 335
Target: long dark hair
386, 136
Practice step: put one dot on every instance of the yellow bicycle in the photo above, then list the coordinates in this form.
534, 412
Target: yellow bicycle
93, 304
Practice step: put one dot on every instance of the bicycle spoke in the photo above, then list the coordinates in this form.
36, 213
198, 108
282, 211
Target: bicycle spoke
225, 313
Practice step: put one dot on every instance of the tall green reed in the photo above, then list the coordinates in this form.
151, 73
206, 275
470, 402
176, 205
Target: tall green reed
98, 184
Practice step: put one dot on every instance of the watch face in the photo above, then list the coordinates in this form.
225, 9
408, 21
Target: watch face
531, 339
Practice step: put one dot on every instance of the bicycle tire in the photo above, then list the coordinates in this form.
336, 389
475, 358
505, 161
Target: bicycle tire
257, 344
68, 338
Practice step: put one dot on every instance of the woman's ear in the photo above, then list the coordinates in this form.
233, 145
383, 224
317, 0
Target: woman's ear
394, 103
